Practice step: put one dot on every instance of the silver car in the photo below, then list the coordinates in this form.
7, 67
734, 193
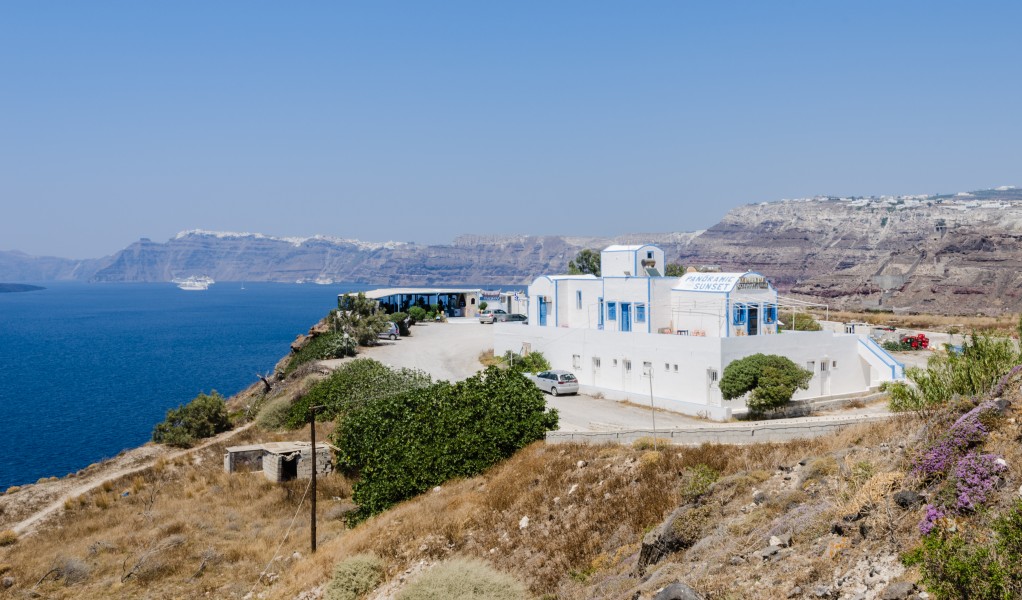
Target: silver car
555, 382
492, 316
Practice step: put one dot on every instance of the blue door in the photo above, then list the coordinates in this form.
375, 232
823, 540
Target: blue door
542, 311
626, 316
599, 319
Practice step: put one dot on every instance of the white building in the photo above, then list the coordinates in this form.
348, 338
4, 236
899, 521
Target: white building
632, 332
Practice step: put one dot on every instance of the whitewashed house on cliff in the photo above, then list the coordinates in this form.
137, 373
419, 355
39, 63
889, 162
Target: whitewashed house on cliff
632, 328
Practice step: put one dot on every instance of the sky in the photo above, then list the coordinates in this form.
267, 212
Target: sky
421, 121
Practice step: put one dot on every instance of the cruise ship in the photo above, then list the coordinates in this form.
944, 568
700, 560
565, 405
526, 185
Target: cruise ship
194, 283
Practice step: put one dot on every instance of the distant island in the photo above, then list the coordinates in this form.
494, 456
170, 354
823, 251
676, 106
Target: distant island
19, 287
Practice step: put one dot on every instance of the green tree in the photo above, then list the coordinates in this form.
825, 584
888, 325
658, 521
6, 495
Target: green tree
203, 417
404, 444
585, 262
798, 322
674, 270
771, 379
360, 317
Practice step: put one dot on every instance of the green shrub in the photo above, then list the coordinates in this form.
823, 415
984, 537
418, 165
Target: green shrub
360, 317
696, 481
354, 577
275, 414
417, 313
802, 322
772, 379
463, 579
954, 566
352, 383
533, 362
483, 305
982, 361
401, 445
322, 347
203, 417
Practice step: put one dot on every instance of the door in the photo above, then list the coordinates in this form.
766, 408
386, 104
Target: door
599, 319
626, 316
753, 319
542, 311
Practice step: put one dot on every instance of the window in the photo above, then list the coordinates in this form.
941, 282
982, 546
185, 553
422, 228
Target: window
740, 314
769, 314
576, 361
614, 363
711, 376
823, 366
628, 366
596, 362
640, 313
612, 311
649, 254
578, 299
675, 368
811, 365
833, 365
667, 366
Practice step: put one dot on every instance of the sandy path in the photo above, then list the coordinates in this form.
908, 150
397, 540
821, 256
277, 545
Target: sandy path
53, 494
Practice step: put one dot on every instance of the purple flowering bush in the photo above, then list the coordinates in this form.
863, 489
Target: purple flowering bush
998, 390
975, 477
964, 433
933, 514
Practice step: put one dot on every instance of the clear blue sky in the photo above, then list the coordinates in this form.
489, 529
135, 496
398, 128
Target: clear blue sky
419, 121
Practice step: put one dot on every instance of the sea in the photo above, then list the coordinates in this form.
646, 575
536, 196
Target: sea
87, 370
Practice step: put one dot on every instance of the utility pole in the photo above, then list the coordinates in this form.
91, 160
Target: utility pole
312, 428
652, 408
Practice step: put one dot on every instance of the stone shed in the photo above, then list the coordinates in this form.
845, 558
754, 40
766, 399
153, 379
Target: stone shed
280, 461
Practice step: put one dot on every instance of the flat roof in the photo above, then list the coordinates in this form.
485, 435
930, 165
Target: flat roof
383, 293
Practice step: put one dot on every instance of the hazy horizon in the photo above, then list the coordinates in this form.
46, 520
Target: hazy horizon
413, 122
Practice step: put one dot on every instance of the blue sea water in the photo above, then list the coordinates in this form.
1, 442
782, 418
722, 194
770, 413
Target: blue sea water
87, 370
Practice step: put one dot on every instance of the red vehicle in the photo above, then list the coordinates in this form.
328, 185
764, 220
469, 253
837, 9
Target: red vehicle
916, 342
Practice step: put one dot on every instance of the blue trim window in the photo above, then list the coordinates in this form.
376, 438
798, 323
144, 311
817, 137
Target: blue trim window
578, 299
612, 311
640, 313
769, 314
740, 314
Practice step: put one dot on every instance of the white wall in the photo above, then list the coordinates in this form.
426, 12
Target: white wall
620, 263
542, 288
630, 290
569, 314
689, 388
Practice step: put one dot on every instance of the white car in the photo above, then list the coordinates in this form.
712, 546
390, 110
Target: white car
492, 316
555, 382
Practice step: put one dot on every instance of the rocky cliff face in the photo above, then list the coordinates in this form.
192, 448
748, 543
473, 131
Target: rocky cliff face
957, 255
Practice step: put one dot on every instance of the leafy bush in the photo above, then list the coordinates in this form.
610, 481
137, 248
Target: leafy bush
982, 361
401, 445
533, 362
696, 481
772, 379
203, 417
359, 381
360, 317
802, 322
483, 305
354, 577
463, 579
418, 313
275, 414
955, 566
400, 319
322, 347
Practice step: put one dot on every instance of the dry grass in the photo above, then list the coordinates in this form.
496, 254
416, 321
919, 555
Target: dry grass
179, 529
487, 359
963, 324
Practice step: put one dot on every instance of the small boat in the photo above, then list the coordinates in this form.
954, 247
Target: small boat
323, 281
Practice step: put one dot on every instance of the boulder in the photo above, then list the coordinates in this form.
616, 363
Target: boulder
898, 591
678, 591
681, 529
907, 498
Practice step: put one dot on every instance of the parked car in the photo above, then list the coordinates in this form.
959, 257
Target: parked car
390, 333
555, 382
492, 315
517, 318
